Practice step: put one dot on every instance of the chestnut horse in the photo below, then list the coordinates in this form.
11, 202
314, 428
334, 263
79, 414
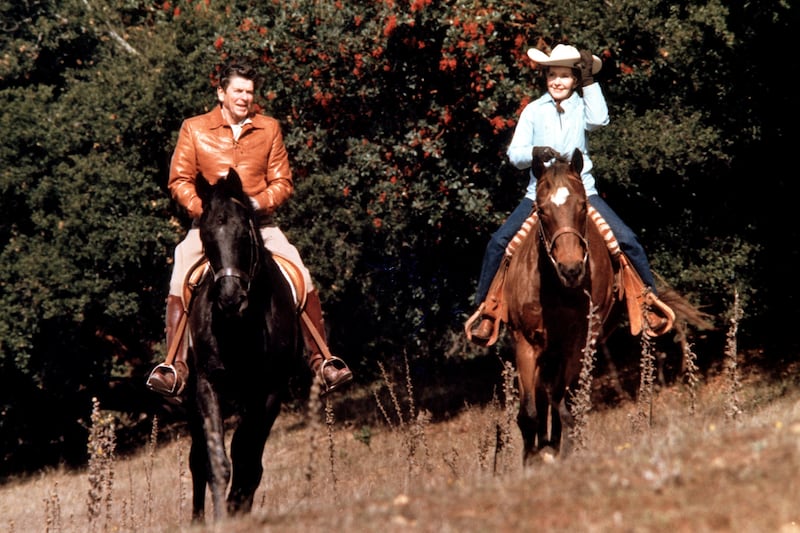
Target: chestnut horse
244, 336
553, 280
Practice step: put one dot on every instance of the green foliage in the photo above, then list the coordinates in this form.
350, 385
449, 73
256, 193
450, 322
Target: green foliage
397, 116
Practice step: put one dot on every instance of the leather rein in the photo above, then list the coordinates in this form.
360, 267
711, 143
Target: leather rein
550, 242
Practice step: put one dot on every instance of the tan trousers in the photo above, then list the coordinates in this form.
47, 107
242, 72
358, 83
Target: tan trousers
190, 250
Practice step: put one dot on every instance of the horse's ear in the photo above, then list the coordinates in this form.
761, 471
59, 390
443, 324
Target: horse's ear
234, 182
202, 186
577, 161
537, 165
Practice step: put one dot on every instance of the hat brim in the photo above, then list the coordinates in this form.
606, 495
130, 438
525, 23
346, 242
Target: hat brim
540, 58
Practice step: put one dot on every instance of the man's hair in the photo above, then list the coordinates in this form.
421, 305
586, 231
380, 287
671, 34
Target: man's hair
240, 68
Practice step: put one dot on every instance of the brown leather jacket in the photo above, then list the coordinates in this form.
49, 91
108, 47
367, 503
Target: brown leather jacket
206, 145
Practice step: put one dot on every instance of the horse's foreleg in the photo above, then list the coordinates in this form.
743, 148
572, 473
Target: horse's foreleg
564, 417
544, 433
527, 416
218, 464
247, 449
198, 465
526, 421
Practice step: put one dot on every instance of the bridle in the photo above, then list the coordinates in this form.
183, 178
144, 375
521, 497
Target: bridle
234, 272
550, 242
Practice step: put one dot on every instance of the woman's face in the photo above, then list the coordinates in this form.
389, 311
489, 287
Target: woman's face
560, 82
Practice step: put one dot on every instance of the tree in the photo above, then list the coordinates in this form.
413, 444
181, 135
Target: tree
396, 116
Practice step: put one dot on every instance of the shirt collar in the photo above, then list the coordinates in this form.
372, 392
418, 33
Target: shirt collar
572, 101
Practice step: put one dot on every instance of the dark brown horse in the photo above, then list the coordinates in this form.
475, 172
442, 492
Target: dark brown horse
244, 338
556, 275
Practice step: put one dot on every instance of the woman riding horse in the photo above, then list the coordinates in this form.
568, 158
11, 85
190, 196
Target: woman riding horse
557, 123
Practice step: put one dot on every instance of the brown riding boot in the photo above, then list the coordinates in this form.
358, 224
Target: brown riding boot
484, 330
169, 378
332, 371
658, 316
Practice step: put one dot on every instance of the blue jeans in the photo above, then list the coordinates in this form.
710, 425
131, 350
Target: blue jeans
493, 256
496, 248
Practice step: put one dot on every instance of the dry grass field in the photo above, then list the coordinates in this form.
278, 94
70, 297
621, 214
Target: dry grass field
721, 456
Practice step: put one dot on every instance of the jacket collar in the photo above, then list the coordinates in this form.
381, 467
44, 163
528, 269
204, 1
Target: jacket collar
216, 120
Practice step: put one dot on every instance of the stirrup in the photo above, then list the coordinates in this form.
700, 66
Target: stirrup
660, 309
163, 369
339, 364
480, 314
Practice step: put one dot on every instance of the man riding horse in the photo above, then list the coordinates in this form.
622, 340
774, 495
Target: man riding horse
233, 136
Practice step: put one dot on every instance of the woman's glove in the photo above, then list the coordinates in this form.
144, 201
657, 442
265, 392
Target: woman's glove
585, 66
544, 153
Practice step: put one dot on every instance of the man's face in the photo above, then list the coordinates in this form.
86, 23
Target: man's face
236, 99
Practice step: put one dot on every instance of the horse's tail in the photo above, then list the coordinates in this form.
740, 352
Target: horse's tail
684, 310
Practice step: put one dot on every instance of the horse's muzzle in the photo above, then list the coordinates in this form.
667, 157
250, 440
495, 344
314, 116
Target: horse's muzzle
232, 296
572, 273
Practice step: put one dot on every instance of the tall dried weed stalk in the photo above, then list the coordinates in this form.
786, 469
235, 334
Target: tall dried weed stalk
498, 434
101, 448
314, 404
582, 398
644, 401
329, 422
149, 467
691, 372
52, 512
413, 425
128, 508
183, 482
732, 405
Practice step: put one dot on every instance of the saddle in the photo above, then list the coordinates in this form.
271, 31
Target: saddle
639, 300
494, 307
290, 271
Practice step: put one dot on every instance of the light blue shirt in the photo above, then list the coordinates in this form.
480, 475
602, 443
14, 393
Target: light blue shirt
540, 124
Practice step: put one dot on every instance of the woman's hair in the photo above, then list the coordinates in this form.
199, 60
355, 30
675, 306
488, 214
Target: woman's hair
240, 68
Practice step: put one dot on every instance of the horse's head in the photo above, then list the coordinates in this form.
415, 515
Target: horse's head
562, 209
231, 242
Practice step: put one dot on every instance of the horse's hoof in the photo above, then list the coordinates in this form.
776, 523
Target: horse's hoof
548, 456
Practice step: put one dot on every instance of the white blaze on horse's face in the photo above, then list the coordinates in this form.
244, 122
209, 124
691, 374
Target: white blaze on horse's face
560, 196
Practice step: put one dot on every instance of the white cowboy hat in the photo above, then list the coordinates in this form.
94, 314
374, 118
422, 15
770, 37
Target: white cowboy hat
563, 55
